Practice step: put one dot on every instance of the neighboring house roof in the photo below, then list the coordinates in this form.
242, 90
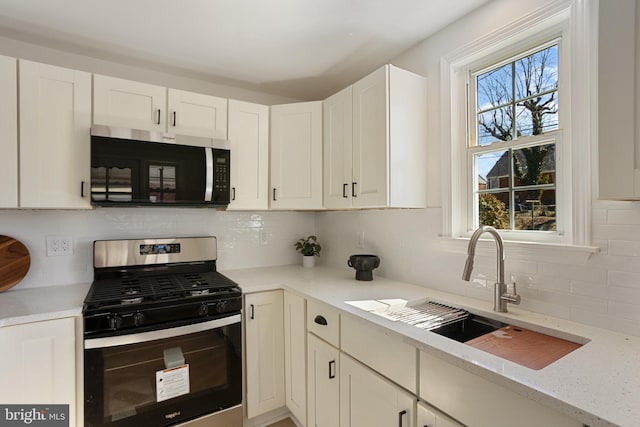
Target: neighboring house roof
501, 168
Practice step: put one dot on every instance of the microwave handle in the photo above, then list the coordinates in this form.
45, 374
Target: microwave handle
208, 189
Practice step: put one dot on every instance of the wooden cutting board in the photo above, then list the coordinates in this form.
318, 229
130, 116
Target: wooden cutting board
14, 262
527, 348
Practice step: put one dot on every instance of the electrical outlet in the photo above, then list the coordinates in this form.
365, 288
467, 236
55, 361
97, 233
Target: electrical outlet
360, 239
263, 237
59, 245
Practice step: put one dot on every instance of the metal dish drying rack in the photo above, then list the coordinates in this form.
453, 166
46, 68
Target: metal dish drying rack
427, 315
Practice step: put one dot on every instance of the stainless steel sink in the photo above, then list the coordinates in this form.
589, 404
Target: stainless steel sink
473, 326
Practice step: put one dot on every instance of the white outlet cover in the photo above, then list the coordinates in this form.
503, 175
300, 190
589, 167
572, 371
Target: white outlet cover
59, 245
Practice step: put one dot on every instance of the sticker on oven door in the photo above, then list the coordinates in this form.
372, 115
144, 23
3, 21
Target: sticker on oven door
172, 382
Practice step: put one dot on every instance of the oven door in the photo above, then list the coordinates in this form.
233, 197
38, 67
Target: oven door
163, 377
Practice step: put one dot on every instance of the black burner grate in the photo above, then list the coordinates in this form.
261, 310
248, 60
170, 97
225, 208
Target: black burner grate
134, 289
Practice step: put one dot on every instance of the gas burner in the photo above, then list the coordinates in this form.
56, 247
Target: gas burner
199, 292
131, 291
136, 300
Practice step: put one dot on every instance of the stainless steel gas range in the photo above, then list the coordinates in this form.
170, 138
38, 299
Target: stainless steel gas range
162, 335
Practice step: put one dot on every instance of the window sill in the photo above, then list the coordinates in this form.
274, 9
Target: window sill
530, 251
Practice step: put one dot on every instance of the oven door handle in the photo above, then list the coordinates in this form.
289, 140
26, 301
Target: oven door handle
159, 334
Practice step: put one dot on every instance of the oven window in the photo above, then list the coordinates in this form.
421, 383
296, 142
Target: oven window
208, 365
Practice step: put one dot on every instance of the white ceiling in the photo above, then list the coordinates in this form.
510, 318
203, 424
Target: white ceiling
304, 49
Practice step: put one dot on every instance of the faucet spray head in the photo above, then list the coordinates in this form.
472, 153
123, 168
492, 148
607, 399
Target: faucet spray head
468, 267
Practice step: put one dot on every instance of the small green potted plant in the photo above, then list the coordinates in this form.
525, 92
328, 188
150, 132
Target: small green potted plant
309, 248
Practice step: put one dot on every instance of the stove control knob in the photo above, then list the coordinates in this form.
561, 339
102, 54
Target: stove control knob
221, 306
114, 322
203, 310
138, 319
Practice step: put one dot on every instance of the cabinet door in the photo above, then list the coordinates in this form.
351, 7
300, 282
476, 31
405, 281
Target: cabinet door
8, 133
197, 114
295, 368
264, 352
429, 417
129, 104
38, 364
296, 156
367, 399
323, 383
619, 101
371, 139
337, 147
249, 138
55, 122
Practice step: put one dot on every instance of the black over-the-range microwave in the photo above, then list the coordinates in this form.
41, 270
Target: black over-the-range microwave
132, 167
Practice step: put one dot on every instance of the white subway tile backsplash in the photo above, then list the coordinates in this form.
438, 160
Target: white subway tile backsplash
624, 216
238, 236
624, 248
623, 278
603, 292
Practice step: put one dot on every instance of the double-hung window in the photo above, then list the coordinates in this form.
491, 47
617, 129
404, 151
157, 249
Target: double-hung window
514, 141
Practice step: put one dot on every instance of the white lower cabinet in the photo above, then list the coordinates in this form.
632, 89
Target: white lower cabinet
368, 399
472, 399
430, 417
264, 349
38, 364
323, 383
295, 368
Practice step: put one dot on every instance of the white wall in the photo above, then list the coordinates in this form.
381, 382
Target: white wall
238, 236
603, 292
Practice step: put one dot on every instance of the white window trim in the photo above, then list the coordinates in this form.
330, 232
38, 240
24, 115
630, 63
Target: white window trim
576, 22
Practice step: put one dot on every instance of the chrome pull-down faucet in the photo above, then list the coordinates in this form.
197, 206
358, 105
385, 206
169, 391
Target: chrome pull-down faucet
501, 296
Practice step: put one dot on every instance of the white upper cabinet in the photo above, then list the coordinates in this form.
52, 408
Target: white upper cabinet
375, 142
389, 139
197, 114
136, 105
619, 101
249, 138
296, 156
55, 121
337, 147
8, 133
125, 103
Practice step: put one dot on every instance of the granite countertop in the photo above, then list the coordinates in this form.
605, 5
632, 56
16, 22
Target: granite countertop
597, 384
36, 304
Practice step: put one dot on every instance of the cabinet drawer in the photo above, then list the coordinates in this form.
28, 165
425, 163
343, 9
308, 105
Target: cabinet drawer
381, 350
323, 321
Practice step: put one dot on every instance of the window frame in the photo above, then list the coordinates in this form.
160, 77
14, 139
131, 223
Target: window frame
473, 147
576, 23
